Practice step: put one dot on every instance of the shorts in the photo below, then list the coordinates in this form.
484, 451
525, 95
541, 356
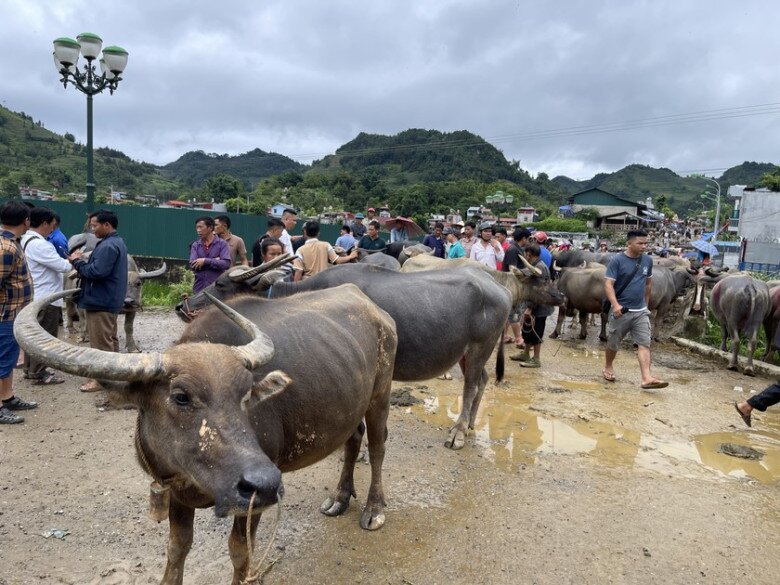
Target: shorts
535, 335
9, 349
636, 323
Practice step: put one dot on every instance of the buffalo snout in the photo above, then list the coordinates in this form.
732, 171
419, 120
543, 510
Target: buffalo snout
264, 483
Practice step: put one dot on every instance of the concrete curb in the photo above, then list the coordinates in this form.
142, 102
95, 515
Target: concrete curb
760, 367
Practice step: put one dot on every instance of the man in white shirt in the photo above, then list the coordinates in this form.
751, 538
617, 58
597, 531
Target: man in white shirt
289, 219
46, 268
486, 249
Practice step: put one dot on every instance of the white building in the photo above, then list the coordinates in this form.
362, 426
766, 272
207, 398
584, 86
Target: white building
525, 214
756, 218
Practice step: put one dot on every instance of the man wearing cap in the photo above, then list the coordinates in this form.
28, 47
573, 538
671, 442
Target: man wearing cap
487, 250
545, 255
370, 215
358, 228
455, 248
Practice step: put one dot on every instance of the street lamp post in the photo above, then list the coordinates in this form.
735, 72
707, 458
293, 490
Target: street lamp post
717, 205
112, 64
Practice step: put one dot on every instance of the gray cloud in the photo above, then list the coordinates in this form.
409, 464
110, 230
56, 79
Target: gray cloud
302, 78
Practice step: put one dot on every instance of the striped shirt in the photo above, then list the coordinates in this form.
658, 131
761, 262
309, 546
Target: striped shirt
16, 287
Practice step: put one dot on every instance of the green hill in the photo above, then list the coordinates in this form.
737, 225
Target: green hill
31, 155
196, 167
748, 173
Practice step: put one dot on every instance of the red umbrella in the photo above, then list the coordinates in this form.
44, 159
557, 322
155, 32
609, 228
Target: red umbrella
412, 229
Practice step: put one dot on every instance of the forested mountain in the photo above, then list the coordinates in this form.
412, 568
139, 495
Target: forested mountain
683, 194
31, 155
196, 167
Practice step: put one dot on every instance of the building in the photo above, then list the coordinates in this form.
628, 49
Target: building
756, 218
526, 215
613, 212
278, 209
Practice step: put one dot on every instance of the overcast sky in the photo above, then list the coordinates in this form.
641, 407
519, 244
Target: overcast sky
564, 87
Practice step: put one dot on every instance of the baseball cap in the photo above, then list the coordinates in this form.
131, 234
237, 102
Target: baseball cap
371, 209
540, 237
486, 225
360, 216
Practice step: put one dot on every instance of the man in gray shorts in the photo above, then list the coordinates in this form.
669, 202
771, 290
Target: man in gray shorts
631, 275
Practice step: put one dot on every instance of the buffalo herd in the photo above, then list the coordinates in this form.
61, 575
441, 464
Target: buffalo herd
271, 376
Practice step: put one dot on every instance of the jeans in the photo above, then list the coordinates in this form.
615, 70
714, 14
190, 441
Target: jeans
768, 397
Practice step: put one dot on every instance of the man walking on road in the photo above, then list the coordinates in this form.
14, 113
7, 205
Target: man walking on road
46, 269
103, 285
16, 291
627, 285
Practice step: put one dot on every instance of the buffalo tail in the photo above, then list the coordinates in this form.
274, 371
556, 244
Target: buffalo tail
500, 358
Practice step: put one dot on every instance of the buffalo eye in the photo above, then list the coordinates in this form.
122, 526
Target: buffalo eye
181, 398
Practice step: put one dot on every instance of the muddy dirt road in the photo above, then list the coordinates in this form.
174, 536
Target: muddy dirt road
567, 479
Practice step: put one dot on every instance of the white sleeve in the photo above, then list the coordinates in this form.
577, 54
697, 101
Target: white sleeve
44, 253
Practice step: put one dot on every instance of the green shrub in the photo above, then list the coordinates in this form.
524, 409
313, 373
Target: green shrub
161, 294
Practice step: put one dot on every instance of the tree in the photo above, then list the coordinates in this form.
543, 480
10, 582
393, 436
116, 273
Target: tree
223, 187
69, 137
9, 187
771, 181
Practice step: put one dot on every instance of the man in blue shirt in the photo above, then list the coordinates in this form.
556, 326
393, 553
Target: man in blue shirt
58, 238
627, 285
546, 257
345, 240
435, 241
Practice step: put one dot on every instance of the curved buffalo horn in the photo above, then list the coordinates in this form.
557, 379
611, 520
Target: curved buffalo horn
257, 352
154, 273
556, 267
711, 271
236, 276
534, 270
77, 360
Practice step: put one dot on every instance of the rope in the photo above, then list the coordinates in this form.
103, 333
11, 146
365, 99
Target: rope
254, 575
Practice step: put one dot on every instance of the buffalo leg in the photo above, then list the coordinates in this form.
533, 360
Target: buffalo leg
478, 398
559, 325
239, 554
130, 344
180, 518
603, 332
473, 365
338, 504
723, 334
373, 516
752, 342
734, 334
583, 325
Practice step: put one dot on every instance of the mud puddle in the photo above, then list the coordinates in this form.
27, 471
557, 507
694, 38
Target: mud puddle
512, 433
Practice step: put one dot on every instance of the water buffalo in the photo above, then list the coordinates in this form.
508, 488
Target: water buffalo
772, 321
442, 318
583, 290
516, 281
573, 258
740, 303
383, 260
668, 284
229, 408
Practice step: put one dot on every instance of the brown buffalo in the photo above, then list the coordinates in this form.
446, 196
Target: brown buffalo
229, 408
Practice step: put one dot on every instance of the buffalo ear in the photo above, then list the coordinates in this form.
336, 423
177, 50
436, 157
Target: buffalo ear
272, 384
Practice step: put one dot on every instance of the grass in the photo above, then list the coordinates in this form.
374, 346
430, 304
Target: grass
712, 337
160, 294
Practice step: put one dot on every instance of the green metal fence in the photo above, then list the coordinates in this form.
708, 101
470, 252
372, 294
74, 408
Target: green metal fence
166, 233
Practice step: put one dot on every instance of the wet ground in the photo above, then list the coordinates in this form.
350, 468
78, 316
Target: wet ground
566, 479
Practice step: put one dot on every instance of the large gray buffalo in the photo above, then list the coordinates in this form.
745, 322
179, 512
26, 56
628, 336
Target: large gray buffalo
229, 408
740, 303
772, 321
442, 317
517, 282
669, 283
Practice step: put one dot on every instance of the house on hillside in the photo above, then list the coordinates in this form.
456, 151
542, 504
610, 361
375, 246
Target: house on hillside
614, 212
525, 214
277, 209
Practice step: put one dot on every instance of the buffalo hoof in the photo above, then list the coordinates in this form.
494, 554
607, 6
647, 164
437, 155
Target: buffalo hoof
603, 338
749, 372
331, 507
371, 519
732, 367
583, 336
456, 440
554, 335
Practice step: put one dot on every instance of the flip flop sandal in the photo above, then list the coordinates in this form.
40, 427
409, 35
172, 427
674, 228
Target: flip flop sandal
655, 385
608, 377
49, 380
745, 417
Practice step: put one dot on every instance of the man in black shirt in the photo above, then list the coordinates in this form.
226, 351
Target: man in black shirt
512, 258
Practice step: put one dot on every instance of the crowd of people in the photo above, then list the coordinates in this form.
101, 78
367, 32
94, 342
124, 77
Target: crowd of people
35, 258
